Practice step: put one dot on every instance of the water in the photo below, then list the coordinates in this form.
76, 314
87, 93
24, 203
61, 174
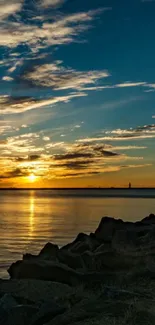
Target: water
29, 219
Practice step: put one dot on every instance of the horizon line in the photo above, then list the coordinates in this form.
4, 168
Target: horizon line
75, 188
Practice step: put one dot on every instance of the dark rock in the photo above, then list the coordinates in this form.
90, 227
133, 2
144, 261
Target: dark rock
44, 270
72, 260
28, 257
148, 220
124, 238
141, 317
103, 248
91, 308
31, 291
82, 243
88, 260
80, 237
49, 251
107, 228
80, 247
8, 301
3, 316
46, 312
21, 314
111, 260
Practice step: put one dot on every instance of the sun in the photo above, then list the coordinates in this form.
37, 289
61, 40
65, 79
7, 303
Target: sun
32, 178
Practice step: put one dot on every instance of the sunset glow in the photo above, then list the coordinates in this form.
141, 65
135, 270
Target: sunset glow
75, 120
32, 178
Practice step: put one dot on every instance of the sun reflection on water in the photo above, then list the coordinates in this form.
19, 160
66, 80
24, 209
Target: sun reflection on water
31, 213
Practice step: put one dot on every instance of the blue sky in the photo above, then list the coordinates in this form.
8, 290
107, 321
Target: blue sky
77, 93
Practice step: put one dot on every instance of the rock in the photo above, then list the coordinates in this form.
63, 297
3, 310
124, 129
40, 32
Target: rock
82, 243
49, 251
44, 270
46, 312
88, 260
90, 308
103, 248
74, 261
80, 238
148, 220
80, 247
107, 228
141, 317
3, 316
127, 233
21, 314
34, 291
8, 301
124, 238
111, 260
28, 257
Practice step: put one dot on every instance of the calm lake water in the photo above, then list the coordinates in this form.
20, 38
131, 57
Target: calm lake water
29, 219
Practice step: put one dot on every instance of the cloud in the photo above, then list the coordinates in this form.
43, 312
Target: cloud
62, 30
74, 155
121, 85
28, 158
14, 173
51, 3
9, 7
89, 173
10, 104
7, 78
60, 78
46, 138
21, 156
141, 132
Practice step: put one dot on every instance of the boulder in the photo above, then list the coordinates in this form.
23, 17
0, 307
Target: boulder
21, 314
106, 229
88, 260
7, 301
31, 291
80, 238
124, 238
28, 257
46, 312
70, 259
80, 247
103, 248
49, 251
44, 270
3, 316
150, 220
82, 243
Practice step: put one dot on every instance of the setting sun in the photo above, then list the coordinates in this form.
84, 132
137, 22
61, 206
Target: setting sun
32, 178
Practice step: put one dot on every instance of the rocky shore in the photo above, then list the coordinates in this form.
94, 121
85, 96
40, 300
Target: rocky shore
104, 278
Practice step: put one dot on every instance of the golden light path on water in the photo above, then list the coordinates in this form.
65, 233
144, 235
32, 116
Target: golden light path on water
31, 216
30, 219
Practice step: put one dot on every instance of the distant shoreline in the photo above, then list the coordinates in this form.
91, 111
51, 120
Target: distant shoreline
75, 188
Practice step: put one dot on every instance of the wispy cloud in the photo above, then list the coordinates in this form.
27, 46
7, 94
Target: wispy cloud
58, 77
7, 78
9, 7
23, 154
121, 85
141, 132
51, 3
21, 104
62, 30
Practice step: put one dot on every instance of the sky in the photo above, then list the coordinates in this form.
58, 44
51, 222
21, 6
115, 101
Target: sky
77, 93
